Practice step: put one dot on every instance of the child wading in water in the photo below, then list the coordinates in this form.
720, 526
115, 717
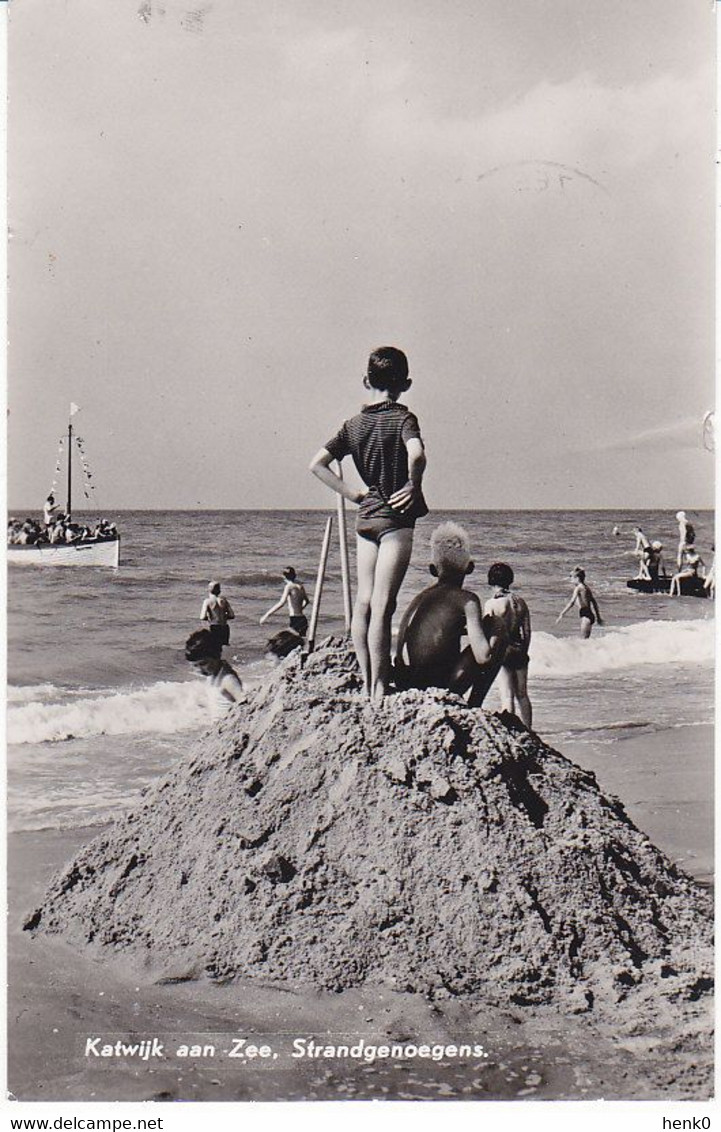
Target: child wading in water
385, 443
296, 597
511, 611
587, 605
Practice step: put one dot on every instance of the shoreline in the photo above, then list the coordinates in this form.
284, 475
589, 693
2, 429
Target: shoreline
58, 998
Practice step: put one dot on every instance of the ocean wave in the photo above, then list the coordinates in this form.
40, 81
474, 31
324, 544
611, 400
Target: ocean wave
163, 708
650, 642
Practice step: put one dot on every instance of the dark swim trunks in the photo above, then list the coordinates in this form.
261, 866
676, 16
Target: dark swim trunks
373, 529
221, 633
585, 611
299, 624
516, 657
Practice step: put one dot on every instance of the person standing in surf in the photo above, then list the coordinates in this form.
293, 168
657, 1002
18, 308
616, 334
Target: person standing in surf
385, 442
218, 612
588, 610
296, 597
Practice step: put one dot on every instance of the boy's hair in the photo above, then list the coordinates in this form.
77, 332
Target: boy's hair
500, 574
450, 548
387, 369
579, 573
201, 645
289, 574
214, 587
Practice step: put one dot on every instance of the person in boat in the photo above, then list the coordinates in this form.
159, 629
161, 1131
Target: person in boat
710, 580
693, 563
654, 562
430, 650
510, 612
217, 611
29, 533
385, 443
296, 598
50, 509
202, 650
582, 596
686, 536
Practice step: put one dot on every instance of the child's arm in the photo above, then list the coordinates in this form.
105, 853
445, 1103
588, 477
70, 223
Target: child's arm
274, 608
525, 624
231, 687
229, 610
320, 467
484, 648
204, 610
304, 599
594, 605
570, 604
402, 499
403, 629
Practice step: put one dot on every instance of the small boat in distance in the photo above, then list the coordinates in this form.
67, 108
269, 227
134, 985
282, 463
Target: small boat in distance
83, 548
690, 587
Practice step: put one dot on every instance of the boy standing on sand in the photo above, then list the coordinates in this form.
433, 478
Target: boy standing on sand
385, 443
296, 597
436, 620
509, 610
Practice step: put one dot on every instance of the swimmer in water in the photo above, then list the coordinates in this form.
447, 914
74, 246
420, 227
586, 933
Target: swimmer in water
202, 649
588, 610
430, 652
511, 611
297, 599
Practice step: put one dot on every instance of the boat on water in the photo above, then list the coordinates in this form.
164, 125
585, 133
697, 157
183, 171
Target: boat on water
690, 587
101, 549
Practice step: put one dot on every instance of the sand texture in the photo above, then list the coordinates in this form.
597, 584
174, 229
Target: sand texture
426, 847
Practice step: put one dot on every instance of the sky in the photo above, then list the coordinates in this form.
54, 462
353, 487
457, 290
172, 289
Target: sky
218, 208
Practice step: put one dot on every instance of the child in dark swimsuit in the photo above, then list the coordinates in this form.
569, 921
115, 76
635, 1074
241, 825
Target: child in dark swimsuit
587, 604
510, 611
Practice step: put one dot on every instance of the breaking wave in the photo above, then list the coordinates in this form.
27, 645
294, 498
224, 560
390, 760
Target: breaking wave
167, 707
650, 642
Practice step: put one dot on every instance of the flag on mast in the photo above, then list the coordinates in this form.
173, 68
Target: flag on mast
74, 408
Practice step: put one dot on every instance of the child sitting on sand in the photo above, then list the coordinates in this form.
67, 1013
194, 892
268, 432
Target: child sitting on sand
435, 622
296, 597
202, 649
385, 443
510, 611
588, 610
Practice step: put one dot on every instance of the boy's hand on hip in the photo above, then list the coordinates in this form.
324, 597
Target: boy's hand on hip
402, 499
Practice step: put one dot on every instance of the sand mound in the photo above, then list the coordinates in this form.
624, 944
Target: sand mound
426, 846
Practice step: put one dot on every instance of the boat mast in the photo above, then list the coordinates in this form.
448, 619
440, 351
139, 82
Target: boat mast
70, 466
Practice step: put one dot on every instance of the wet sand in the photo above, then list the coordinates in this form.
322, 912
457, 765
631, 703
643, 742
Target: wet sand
57, 999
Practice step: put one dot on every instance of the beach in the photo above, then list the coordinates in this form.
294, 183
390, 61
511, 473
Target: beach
643, 728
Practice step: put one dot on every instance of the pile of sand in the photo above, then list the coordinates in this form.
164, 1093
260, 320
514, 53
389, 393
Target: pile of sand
426, 846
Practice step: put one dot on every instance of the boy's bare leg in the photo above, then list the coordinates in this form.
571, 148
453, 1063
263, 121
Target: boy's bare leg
525, 711
468, 673
366, 557
394, 554
506, 688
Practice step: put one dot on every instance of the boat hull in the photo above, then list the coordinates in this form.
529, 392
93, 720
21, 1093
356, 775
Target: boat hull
105, 553
690, 587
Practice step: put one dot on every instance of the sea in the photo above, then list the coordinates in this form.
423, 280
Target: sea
101, 700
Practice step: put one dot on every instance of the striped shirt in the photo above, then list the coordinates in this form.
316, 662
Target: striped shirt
376, 438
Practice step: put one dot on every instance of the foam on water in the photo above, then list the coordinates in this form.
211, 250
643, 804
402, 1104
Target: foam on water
169, 707
649, 642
